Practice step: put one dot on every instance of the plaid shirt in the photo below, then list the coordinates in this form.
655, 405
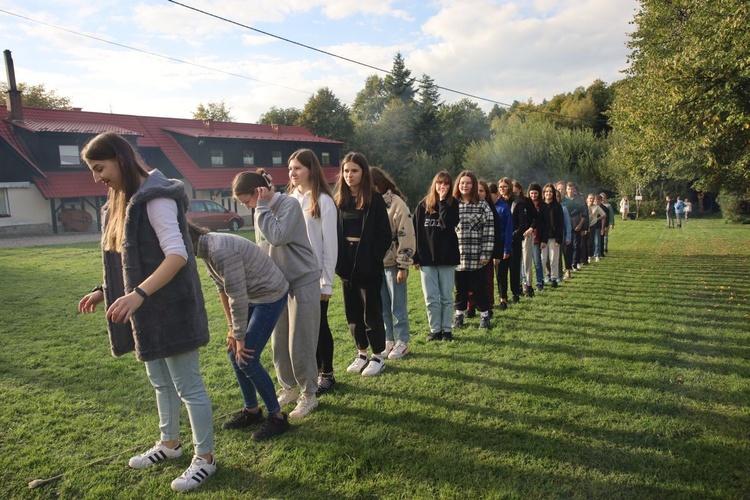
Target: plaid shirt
476, 234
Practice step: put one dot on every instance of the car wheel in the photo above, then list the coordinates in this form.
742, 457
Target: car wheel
234, 225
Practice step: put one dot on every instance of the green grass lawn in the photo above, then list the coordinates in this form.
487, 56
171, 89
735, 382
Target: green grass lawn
629, 381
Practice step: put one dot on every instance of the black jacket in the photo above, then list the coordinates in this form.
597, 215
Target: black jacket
374, 243
554, 222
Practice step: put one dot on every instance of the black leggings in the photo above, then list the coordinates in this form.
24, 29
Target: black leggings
324, 353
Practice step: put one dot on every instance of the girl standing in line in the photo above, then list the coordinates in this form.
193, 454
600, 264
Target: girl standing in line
153, 298
483, 189
364, 236
281, 231
554, 234
253, 294
539, 232
527, 238
395, 265
307, 184
476, 241
436, 255
513, 238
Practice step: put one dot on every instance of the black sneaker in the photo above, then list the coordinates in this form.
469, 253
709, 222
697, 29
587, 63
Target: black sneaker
272, 427
503, 306
447, 336
434, 336
531, 293
471, 313
484, 322
325, 383
554, 283
458, 322
243, 419
516, 299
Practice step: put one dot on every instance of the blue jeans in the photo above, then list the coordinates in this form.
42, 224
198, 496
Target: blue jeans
437, 287
178, 378
598, 243
395, 316
538, 269
253, 376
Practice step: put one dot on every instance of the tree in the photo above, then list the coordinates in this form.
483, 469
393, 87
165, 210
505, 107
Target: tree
325, 116
399, 84
217, 111
426, 121
461, 123
370, 101
683, 109
37, 96
280, 116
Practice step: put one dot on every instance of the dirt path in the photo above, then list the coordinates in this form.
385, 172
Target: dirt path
51, 239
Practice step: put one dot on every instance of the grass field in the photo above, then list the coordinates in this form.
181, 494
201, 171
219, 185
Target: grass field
631, 380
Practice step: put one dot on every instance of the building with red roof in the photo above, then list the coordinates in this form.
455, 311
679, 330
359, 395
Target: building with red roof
41, 173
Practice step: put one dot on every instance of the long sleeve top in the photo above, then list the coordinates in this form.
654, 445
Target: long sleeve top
505, 228
476, 234
321, 232
281, 232
437, 242
401, 252
244, 272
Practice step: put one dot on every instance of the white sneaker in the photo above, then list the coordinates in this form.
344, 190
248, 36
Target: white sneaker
399, 350
286, 396
194, 476
156, 454
375, 366
596, 258
305, 404
359, 362
388, 348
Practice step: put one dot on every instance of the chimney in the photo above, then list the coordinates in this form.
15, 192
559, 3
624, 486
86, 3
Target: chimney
13, 101
276, 128
208, 124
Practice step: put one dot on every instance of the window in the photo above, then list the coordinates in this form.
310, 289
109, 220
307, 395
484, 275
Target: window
248, 157
4, 208
69, 155
325, 158
276, 156
217, 157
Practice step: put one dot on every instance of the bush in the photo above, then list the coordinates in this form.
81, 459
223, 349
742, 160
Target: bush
734, 208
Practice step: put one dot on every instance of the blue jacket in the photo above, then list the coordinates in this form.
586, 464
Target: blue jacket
506, 224
679, 207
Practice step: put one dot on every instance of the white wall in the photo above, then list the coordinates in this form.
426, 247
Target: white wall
27, 205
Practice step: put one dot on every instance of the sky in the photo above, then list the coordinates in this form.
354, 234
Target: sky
160, 58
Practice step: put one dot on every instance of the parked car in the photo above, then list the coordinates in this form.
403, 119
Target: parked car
210, 214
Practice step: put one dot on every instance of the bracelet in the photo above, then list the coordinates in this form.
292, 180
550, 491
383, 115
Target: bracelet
140, 292
98, 288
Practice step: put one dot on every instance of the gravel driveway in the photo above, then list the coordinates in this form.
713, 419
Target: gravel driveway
50, 239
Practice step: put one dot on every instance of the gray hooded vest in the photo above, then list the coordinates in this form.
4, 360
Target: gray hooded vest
172, 320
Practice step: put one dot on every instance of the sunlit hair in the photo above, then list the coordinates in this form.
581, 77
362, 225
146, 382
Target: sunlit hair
534, 186
247, 182
555, 192
343, 194
508, 192
384, 182
432, 198
110, 146
474, 195
318, 184
516, 185
486, 187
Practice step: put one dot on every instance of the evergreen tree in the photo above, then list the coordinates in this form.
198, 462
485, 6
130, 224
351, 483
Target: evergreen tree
399, 84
